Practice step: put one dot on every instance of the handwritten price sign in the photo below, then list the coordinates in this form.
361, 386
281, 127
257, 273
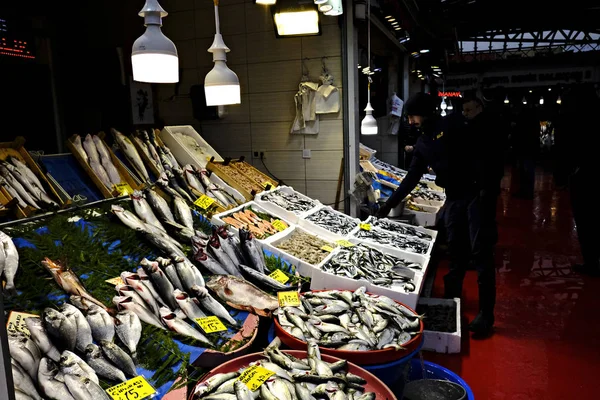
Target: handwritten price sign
123, 189
16, 322
327, 248
115, 281
288, 299
344, 243
255, 376
136, 388
279, 276
365, 227
211, 324
279, 225
204, 202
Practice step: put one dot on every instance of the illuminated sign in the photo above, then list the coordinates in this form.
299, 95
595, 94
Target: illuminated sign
449, 94
10, 46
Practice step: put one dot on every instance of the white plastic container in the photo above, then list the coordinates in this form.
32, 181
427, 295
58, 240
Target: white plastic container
429, 232
303, 267
274, 209
442, 342
217, 219
182, 153
312, 227
429, 243
423, 218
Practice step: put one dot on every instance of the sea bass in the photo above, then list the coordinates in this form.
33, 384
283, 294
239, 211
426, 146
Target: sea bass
243, 295
159, 205
253, 251
214, 246
131, 153
84, 331
212, 306
106, 161
143, 210
9, 262
143, 313
101, 173
162, 283
129, 330
90, 149
181, 327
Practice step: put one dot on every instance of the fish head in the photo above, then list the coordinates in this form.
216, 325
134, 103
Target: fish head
48, 367
68, 309
179, 295
127, 276
217, 282
122, 301
68, 359
52, 266
167, 314
199, 291
52, 316
245, 235
142, 274
116, 209
221, 231
93, 351
107, 345
123, 289
137, 195
34, 323
214, 242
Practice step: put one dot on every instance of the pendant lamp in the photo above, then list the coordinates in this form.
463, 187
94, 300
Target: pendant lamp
221, 85
336, 8
506, 100
524, 100
450, 106
369, 123
443, 106
153, 56
541, 100
559, 100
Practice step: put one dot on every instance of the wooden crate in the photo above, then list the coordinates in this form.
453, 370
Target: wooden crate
253, 174
147, 162
17, 149
239, 182
126, 177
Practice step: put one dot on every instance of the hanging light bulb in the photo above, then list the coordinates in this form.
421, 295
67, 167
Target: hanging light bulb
153, 56
559, 100
336, 9
541, 100
450, 106
524, 100
221, 85
443, 106
443, 113
506, 100
368, 125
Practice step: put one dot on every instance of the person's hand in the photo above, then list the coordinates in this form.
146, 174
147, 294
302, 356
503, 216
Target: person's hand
408, 149
383, 211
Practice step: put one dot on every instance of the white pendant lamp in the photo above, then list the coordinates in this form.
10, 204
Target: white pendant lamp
450, 106
153, 56
369, 123
506, 100
524, 100
443, 106
542, 100
336, 8
221, 85
266, 2
559, 100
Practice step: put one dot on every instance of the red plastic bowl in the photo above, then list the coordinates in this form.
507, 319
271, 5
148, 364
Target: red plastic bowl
373, 383
370, 357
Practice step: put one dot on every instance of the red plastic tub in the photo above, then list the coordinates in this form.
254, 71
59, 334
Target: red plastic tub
373, 383
358, 357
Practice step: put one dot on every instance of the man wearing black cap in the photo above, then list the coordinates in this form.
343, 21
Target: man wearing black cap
446, 147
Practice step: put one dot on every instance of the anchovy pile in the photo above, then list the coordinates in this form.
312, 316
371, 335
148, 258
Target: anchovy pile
23, 185
96, 154
306, 247
335, 222
289, 201
293, 379
9, 262
363, 262
396, 240
397, 227
351, 321
427, 194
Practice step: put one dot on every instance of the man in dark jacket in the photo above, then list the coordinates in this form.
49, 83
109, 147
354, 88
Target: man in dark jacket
445, 146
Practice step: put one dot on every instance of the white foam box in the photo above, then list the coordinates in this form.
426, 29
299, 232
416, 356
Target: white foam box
431, 243
182, 153
353, 235
423, 218
430, 232
282, 212
303, 267
312, 227
324, 280
442, 342
217, 219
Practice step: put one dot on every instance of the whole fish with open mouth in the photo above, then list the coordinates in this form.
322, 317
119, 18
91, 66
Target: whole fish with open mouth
25, 352
13, 193
253, 251
159, 205
188, 273
242, 295
163, 285
128, 291
183, 213
68, 281
207, 262
23, 382
79, 148
136, 283
143, 313
101, 323
175, 185
72, 364
23, 193
9, 262
48, 382
129, 330
167, 266
212, 306
41, 338
118, 357
147, 282
214, 246
143, 210
60, 329
192, 180
187, 304
84, 331
131, 153
96, 360
178, 325
106, 161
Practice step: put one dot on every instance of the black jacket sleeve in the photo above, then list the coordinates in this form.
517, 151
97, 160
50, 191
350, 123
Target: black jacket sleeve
417, 168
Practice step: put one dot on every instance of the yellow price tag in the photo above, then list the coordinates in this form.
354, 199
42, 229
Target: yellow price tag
279, 225
16, 322
211, 324
266, 184
255, 376
135, 388
365, 227
344, 243
327, 248
279, 276
123, 189
204, 202
115, 281
291, 299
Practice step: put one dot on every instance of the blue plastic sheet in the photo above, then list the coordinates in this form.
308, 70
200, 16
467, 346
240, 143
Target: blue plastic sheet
69, 174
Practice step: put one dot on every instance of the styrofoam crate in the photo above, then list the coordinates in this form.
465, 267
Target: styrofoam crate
426, 202
217, 219
312, 227
424, 218
386, 246
281, 212
303, 267
181, 152
430, 232
443, 342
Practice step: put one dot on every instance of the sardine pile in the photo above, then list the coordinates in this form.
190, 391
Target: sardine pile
68, 351
258, 223
246, 183
363, 262
427, 194
23, 185
306, 247
335, 222
392, 239
9, 263
293, 379
96, 154
351, 321
397, 227
289, 201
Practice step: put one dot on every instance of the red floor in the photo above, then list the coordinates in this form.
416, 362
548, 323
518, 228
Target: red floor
547, 340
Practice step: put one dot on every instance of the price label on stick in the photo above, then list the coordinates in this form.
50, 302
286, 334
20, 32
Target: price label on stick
255, 376
204, 202
211, 324
136, 388
365, 227
279, 276
327, 248
344, 243
115, 281
123, 189
16, 322
288, 299
267, 185
279, 225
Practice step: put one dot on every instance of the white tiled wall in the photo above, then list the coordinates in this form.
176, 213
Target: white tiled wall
269, 70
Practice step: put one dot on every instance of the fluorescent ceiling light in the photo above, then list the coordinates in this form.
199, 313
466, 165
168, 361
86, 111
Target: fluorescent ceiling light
398, 28
266, 2
297, 21
423, 51
506, 100
153, 56
391, 19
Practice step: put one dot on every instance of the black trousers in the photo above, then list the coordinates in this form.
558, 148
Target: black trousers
471, 237
586, 219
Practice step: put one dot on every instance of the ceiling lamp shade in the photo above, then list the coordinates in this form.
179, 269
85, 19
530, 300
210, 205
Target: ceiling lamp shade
221, 85
153, 56
443, 106
559, 100
506, 100
293, 18
524, 100
368, 125
542, 100
336, 8
450, 106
